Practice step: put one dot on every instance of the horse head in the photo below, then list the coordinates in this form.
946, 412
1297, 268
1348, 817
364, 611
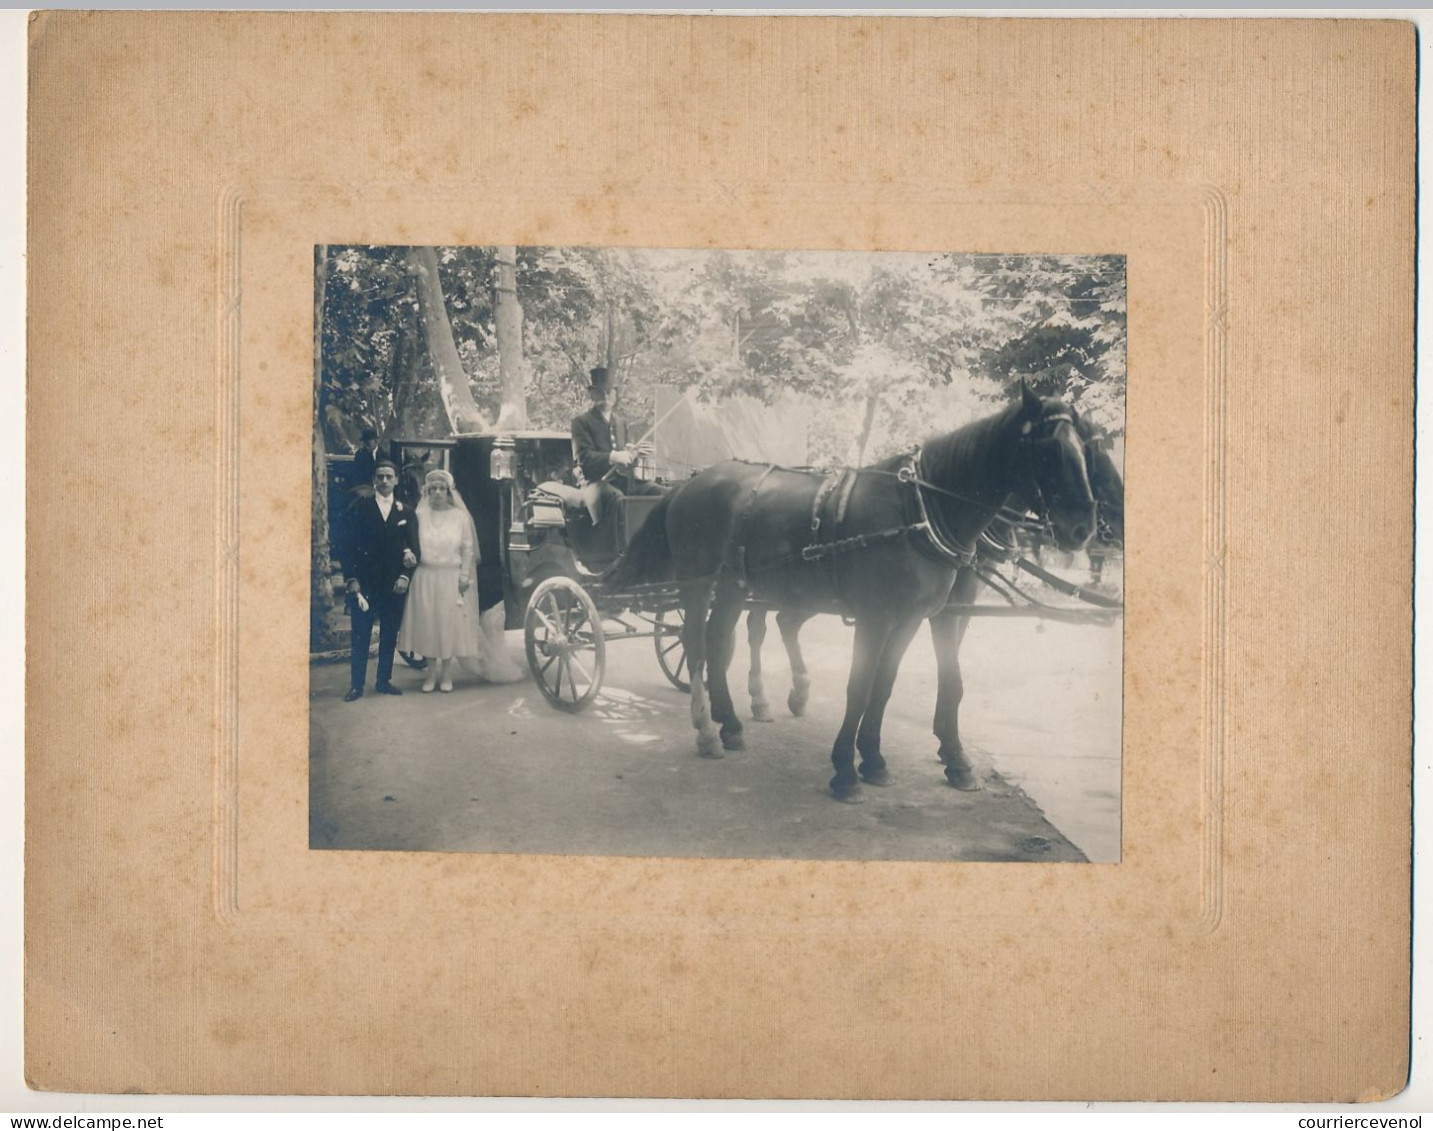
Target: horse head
1053, 470
1108, 488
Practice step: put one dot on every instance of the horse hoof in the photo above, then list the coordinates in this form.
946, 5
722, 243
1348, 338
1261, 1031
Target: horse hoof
707, 746
963, 780
796, 705
733, 741
878, 777
847, 793
761, 714
712, 754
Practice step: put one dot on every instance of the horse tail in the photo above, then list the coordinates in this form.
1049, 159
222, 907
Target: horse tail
648, 559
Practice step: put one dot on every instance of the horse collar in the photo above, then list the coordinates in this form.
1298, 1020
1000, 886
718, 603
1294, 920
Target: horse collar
953, 554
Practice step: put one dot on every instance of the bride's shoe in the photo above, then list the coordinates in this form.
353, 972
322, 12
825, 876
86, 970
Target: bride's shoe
431, 682
446, 685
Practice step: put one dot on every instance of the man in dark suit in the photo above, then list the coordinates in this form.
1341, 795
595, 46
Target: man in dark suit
599, 444
379, 554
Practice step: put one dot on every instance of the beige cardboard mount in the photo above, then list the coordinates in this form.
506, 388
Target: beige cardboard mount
1253, 942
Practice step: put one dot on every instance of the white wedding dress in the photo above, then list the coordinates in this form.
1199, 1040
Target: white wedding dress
441, 621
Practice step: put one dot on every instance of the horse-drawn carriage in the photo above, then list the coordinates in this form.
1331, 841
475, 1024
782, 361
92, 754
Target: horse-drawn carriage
888, 546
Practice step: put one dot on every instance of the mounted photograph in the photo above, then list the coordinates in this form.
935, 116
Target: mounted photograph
718, 553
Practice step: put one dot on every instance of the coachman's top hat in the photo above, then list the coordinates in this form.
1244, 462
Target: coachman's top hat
601, 380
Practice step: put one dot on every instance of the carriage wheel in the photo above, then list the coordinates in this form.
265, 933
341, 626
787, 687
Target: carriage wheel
671, 652
566, 652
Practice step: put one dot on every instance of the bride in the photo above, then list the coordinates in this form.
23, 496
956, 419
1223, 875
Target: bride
442, 621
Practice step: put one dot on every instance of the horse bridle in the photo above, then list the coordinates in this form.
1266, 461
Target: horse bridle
1030, 438
1035, 519
1104, 531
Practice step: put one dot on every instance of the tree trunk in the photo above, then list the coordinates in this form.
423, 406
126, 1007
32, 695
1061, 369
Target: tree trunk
418, 411
321, 595
871, 401
854, 325
508, 321
463, 412
609, 350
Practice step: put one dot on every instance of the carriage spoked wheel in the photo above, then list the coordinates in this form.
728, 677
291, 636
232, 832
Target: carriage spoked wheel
566, 651
671, 652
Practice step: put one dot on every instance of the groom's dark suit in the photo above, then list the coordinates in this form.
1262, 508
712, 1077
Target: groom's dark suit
372, 555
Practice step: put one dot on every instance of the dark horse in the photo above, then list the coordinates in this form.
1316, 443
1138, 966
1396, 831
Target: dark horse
883, 545
1000, 542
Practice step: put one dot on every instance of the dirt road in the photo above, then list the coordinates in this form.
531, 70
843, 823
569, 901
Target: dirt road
494, 769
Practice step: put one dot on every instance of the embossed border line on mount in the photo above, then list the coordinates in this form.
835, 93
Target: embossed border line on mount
224, 859
224, 802
1214, 715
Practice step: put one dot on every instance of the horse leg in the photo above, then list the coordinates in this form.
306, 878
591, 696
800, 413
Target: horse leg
865, 659
695, 603
755, 638
721, 643
947, 630
790, 626
868, 736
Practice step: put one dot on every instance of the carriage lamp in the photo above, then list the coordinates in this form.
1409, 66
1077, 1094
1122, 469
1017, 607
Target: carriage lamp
503, 464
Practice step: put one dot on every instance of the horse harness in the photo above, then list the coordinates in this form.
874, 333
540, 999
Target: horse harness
829, 507
832, 499
931, 538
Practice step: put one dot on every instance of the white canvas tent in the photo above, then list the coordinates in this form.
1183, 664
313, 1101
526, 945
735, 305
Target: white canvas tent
691, 434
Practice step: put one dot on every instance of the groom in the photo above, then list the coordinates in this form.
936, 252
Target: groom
380, 553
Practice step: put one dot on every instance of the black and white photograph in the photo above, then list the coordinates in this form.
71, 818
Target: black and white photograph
749, 554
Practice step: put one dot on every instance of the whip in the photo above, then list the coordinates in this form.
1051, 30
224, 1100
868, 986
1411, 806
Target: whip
647, 434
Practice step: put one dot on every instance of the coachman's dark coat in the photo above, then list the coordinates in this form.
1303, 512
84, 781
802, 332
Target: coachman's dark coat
594, 439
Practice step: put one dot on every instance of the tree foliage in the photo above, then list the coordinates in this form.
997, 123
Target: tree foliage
886, 348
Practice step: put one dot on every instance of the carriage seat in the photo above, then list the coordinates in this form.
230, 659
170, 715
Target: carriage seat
552, 501
570, 496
